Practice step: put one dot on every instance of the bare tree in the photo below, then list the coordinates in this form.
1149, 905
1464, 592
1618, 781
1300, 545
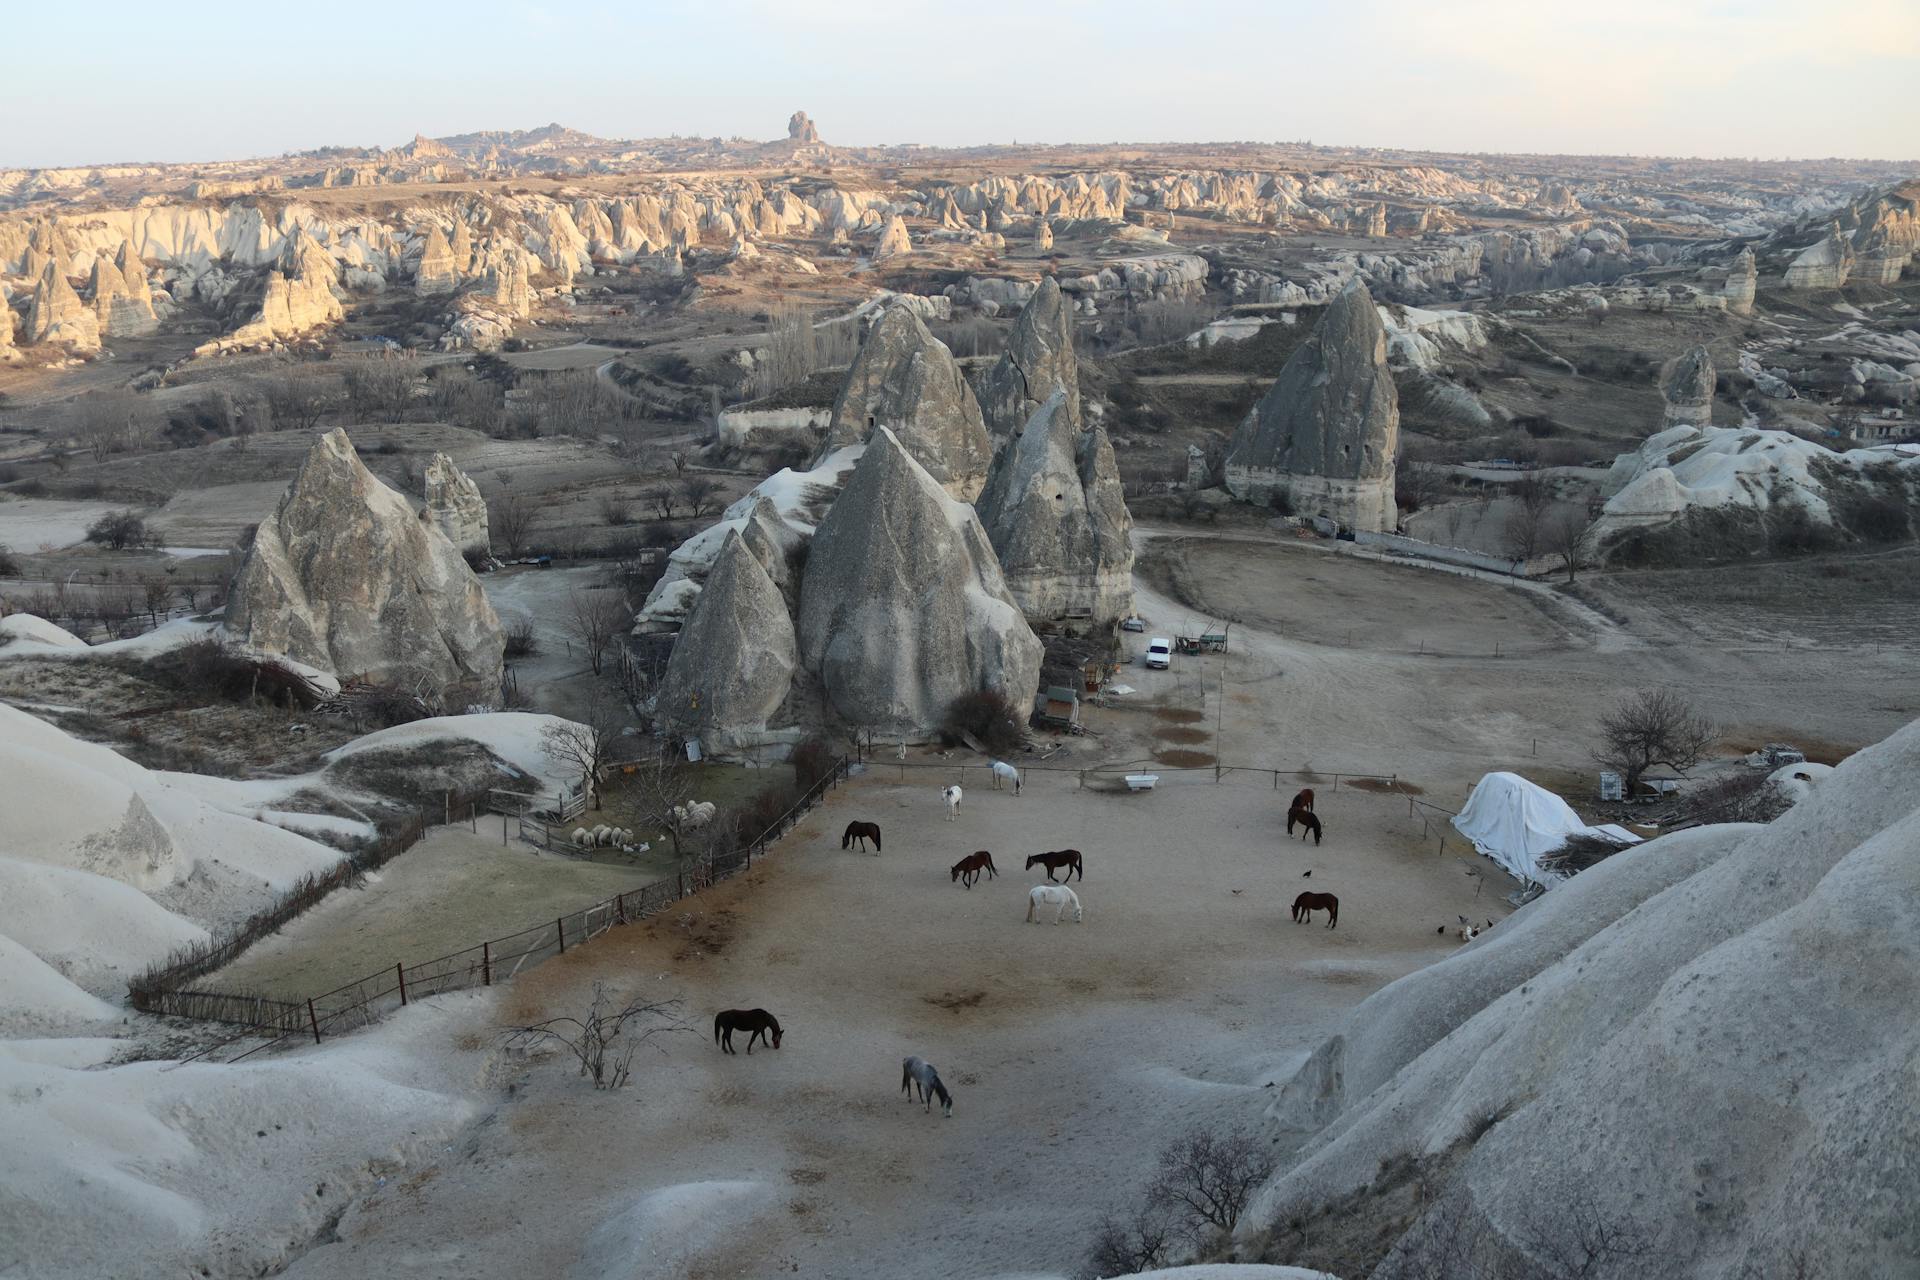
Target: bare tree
1125, 1245
298, 400
103, 424
594, 618
585, 745
662, 499
1209, 1177
156, 590
1522, 531
1456, 515
512, 521
1569, 535
698, 490
789, 355
604, 1041
1418, 485
380, 389
1532, 491
1653, 726
660, 788
616, 510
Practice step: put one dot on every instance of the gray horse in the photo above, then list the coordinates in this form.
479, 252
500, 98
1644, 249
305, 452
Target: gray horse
914, 1071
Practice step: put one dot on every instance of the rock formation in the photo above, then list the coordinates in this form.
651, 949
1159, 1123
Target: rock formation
801, 129
346, 577
1037, 363
1686, 385
1826, 264
119, 310
1743, 281
462, 248
1327, 431
456, 507
56, 314
437, 272
906, 380
903, 607
893, 240
732, 666
1743, 992
1043, 236
1054, 510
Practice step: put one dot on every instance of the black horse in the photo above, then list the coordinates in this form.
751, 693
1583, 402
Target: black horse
970, 868
762, 1024
1307, 903
1068, 858
863, 832
1308, 823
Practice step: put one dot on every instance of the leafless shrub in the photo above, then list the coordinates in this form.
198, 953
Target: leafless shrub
120, 531
616, 510
298, 400
1523, 531
1205, 1179
522, 640
1125, 1245
379, 389
990, 717
1744, 795
662, 499
699, 492
605, 1040
584, 745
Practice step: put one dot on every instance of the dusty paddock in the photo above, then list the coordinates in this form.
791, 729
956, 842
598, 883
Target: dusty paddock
1074, 1051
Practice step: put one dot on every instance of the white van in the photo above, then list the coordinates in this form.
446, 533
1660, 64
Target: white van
1160, 652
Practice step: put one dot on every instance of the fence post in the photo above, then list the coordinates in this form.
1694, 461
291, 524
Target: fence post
313, 1020
486, 964
560, 927
400, 971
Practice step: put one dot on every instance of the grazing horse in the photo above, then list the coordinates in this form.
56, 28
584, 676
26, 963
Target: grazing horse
762, 1024
1308, 823
863, 832
916, 1071
950, 796
1307, 903
1068, 858
1057, 896
1303, 800
968, 869
1004, 772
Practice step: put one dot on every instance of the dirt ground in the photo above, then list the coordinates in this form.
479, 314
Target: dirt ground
1073, 1051
450, 891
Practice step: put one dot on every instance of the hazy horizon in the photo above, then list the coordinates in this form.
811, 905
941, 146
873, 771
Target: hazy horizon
1714, 80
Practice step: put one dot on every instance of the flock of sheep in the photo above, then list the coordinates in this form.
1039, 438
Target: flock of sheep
689, 817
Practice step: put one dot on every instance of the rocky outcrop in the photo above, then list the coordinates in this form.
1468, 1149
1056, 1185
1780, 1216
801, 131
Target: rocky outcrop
893, 240
801, 129
1743, 281
346, 577
57, 315
1686, 385
436, 273
1826, 264
117, 308
1043, 236
1743, 992
1037, 364
1056, 515
732, 665
906, 380
456, 507
903, 607
1327, 431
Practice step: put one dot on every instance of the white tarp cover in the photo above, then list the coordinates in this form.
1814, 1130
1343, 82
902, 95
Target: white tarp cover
1516, 823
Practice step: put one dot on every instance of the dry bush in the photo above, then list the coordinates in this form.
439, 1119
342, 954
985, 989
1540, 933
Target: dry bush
605, 1040
1744, 795
990, 717
379, 389
1205, 1179
812, 760
512, 521
1125, 1245
616, 510
522, 640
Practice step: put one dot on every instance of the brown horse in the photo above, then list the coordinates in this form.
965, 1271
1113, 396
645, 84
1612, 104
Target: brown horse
762, 1024
1307, 903
1307, 822
1304, 800
968, 869
1068, 858
863, 832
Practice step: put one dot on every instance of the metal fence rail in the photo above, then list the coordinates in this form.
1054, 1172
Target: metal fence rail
364, 1001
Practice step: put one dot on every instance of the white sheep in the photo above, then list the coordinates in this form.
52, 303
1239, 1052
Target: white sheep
581, 835
602, 835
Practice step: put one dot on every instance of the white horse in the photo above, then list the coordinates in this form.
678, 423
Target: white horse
1004, 772
1057, 896
915, 1071
951, 797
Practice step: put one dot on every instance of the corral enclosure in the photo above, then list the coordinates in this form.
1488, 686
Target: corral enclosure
1073, 1051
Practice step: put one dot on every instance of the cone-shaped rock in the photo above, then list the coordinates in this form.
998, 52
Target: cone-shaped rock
1054, 511
732, 665
436, 273
1037, 363
903, 607
57, 314
346, 577
906, 380
894, 240
1687, 387
456, 507
1327, 430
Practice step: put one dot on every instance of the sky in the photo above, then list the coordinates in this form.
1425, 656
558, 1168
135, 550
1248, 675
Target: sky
1767, 78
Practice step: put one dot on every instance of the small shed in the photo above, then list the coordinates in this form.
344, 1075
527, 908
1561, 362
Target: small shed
1057, 707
